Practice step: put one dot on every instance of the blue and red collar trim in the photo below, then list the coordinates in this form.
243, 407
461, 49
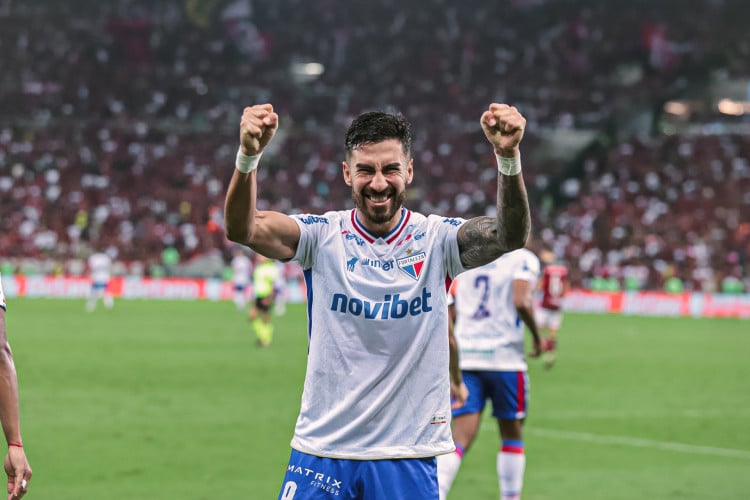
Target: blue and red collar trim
391, 236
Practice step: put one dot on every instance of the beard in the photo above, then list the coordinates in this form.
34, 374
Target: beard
379, 215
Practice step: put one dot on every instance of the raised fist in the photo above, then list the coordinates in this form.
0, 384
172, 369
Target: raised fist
257, 127
503, 125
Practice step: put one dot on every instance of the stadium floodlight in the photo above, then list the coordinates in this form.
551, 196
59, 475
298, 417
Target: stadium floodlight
306, 71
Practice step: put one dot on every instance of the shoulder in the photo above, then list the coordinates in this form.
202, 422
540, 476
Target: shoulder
558, 269
440, 220
527, 254
440, 227
523, 259
320, 222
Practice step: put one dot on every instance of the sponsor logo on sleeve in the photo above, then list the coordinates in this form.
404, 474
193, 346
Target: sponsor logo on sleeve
452, 222
312, 219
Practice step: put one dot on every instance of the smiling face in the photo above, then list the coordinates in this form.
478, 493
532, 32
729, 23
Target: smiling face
378, 173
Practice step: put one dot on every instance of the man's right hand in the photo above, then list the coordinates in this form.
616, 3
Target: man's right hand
459, 395
257, 128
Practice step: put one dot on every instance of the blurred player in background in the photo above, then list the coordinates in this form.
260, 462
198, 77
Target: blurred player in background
241, 268
553, 287
100, 270
280, 290
16, 465
265, 278
491, 305
375, 407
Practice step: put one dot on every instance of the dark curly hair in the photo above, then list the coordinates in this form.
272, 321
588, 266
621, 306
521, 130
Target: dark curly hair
377, 126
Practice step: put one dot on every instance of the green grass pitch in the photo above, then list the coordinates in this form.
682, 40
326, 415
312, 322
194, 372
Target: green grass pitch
173, 400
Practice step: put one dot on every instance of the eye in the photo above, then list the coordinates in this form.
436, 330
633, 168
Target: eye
365, 170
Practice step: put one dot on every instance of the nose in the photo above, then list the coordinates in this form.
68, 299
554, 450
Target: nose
378, 182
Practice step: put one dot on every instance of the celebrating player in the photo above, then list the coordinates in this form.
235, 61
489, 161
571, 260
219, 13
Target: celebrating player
491, 305
16, 465
375, 407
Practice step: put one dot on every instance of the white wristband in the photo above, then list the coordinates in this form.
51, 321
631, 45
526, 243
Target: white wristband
509, 166
245, 163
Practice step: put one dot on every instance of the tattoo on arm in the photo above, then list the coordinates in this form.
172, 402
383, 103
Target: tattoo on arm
478, 243
483, 239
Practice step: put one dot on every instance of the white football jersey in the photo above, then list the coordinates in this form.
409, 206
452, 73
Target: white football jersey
377, 370
241, 270
488, 330
100, 266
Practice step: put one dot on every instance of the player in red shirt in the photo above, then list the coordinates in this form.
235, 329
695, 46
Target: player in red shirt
553, 286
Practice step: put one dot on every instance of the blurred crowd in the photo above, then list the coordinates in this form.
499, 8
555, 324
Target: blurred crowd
119, 123
659, 212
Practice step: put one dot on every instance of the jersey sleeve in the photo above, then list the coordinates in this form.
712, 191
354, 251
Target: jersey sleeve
528, 267
447, 230
312, 228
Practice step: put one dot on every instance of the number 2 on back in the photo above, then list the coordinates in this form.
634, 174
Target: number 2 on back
482, 282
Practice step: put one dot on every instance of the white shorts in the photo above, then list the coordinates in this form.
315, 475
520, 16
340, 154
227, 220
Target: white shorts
549, 318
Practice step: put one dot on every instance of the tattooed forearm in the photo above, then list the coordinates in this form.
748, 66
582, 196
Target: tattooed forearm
484, 239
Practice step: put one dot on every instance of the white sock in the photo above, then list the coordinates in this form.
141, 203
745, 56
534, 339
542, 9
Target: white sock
511, 463
447, 467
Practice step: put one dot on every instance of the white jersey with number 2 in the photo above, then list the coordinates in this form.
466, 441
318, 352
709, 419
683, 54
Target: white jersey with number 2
488, 330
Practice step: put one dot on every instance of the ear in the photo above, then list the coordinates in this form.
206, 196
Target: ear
409, 171
347, 175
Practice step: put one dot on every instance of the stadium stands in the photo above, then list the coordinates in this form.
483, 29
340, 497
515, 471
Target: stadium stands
118, 124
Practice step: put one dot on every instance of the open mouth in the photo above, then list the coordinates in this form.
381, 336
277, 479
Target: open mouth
379, 198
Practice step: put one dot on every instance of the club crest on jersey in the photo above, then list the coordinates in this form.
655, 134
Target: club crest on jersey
412, 265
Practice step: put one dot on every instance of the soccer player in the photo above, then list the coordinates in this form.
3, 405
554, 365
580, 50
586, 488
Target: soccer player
554, 286
375, 407
280, 290
265, 277
16, 465
491, 305
100, 270
241, 267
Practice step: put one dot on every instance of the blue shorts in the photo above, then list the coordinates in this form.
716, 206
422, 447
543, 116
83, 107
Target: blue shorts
98, 286
508, 391
317, 478
239, 287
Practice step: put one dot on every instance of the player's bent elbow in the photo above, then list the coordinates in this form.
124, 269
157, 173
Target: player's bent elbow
236, 235
516, 242
522, 303
6, 356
